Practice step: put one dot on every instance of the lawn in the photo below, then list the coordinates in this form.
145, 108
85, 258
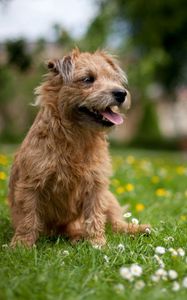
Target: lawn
154, 186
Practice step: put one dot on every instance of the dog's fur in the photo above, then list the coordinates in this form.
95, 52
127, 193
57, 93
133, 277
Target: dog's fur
59, 180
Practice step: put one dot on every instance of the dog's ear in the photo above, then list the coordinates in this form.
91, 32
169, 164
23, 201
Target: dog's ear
64, 67
75, 52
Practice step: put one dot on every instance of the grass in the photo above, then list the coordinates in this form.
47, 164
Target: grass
154, 186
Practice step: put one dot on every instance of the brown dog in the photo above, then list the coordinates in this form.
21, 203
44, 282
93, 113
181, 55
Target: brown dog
59, 180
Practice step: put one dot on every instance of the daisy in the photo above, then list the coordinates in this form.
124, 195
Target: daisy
136, 270
126, 273
160, 250
172, 274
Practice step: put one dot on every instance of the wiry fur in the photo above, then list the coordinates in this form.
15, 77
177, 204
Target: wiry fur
59, 180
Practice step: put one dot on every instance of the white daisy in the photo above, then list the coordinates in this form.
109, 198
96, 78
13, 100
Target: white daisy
65, 252
119, 287
127, 215
169, 239
121, 247
160, 250
172, 274
184, 282
161, 273
106, 259
126, 273
175, 286
155, 278
181, 252
135, 221
136, 270
140, 284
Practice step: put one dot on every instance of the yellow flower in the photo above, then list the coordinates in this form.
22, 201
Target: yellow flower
3, 160
180, 170
130, 159
161, 192
129, 187
139, 207
155, 179
183, 217
2, 176
120, 190
185, 193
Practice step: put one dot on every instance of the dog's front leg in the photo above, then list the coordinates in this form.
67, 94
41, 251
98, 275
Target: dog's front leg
95, 219
25, 218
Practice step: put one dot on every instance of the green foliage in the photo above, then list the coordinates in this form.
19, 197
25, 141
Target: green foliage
18, 54
16, 95
6, 84
159, 26
55, 269
148, 134
63, 38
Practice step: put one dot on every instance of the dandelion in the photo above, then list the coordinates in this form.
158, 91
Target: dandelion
180, 170
3, 160
185, 193
161, 192
129, 187
184, 282
136, 270
126, 273
3, 176
135, 221
120, 190
172, 274
121, 247
181, 252
140, 284
183, 218
175, 286
127, 215
160, 250
139, 207
130, 159
155, 179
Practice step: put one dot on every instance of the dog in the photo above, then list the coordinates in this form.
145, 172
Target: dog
59, 182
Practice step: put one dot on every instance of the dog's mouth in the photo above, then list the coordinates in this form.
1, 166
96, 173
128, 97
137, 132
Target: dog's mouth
108, 117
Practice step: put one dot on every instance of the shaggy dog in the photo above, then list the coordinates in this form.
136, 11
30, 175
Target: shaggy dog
59, 180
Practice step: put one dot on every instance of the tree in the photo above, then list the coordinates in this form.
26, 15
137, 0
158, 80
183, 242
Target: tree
18, 54
153, 36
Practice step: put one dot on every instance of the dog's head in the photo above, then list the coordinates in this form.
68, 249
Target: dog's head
92, 88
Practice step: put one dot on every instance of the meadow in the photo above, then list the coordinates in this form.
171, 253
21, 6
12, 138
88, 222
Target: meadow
154, 266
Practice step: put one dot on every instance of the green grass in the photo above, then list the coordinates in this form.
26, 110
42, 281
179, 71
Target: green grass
152, 181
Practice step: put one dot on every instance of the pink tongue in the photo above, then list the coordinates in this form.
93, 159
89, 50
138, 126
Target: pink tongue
112, 116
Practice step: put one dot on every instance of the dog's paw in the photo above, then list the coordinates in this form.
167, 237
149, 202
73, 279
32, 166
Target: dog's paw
98, 242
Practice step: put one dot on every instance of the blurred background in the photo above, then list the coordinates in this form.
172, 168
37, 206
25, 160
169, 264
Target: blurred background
150, 38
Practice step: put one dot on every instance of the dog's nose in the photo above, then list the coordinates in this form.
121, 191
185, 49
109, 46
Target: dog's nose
119, 95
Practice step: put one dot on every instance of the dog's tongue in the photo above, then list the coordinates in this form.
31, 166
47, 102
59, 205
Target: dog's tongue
113, 117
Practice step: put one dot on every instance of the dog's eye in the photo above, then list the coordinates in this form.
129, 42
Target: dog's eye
88, 79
